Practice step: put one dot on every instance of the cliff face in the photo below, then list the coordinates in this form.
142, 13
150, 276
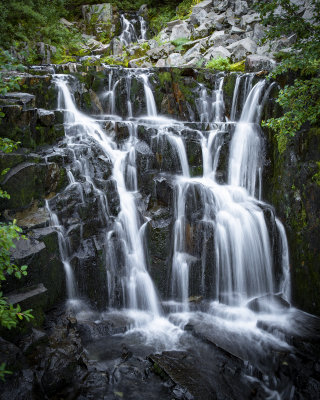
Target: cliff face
38, 173
291, 185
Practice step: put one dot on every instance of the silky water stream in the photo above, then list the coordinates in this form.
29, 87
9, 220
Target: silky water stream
230, 287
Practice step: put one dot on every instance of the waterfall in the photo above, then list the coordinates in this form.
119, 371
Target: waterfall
143, 28
246, 146
128, 34
235, 250
138, 288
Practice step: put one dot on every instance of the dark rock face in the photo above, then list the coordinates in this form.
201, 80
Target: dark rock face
290, 186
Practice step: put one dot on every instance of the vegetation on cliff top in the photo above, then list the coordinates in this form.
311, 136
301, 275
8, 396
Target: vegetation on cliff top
300, 97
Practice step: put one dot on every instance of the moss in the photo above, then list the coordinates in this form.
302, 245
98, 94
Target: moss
239, 66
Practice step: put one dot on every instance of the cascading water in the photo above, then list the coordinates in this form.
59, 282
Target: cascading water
221, 246
129, 34
137, 285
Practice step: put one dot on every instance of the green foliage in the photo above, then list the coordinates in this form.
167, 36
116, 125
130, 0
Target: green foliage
184, 9
219, 64
300, 99
316, 176
159, 17
179, 43
224, 64
3, 371
9, 234
8, 83
237, 67
23, 23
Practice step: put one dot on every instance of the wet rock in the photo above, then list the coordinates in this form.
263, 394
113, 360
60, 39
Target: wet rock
28, 182
31, 297
46, 117
26, 100
159, 243
267, 303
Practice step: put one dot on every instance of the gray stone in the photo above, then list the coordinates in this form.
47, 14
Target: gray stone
198, 16
249, 19
205, 5
116, 47
216, 52
137, 62
180, 31
194, 52
217, 38
21, 297
97, 12
161, 63
143, 11
220, 5
160, 52
153, 44
146, 64
256, 63
66, 23
241, 7
258, 32
203, 30
242, 48
236, 30
175, 60
176, 22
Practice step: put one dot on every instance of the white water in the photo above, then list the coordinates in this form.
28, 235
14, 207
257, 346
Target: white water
138, 288
232, 220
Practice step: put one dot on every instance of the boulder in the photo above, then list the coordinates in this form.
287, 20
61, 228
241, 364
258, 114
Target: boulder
172, 24
249, 19
240, 49
217, 38
161, 63
27, 182
237, 31
116, 47
255, 63
46, 117
240, 7
198, 16
203, 30
180, 31
175, 60
220, 5
216, 52
205, 5
160, 52
191, 54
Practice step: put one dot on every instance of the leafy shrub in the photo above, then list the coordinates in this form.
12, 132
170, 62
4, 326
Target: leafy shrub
219, 64
300, 98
